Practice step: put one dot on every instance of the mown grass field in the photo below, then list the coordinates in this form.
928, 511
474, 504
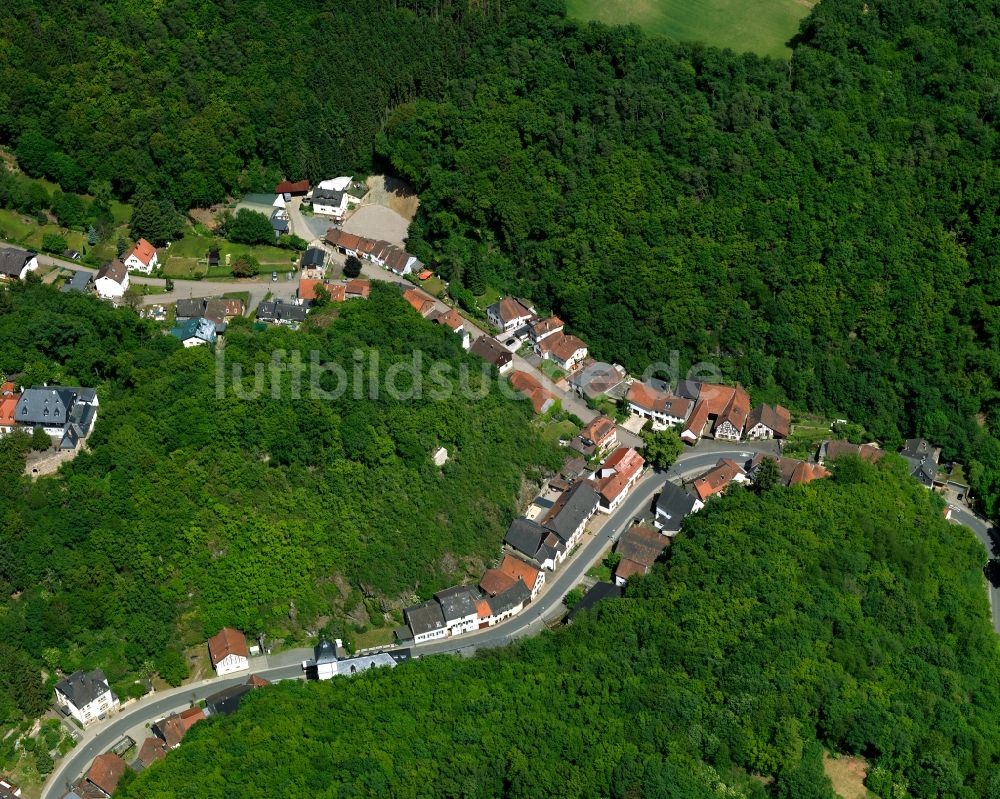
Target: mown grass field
186, 256
759, 26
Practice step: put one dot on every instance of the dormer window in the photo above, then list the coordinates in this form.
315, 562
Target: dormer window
57, 413
45, 412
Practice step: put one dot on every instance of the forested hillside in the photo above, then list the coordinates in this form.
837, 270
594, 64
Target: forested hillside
844, 614
825, 230
194, 511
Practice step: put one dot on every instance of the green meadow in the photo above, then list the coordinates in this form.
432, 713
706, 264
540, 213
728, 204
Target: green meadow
760, 26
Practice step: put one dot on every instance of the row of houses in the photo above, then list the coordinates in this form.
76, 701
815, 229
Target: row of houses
698, 409
63, 412
519, 323
382, 253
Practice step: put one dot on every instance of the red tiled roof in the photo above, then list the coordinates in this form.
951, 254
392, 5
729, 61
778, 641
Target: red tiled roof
562, 346
288, 187
483, 609
716, 396
7, 388
358, 288
349, 241
451, 318
624, 460
652, 399
717, 479
517, 569
307, 288
426, 274
510, 308
736, 410
599, 430
495, 582
867, 452
628, 568
190, 717
152, 749
142, 250
420, 302
106, 771
332, 236
227, 642
550, 324
8, 405
257, 682
699, 417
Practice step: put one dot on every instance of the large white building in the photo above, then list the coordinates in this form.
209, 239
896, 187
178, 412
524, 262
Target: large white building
112, 281
86, 696
228, 651
142, 257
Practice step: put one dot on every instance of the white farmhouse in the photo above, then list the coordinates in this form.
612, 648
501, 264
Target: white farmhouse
112, 280
228, 651
142, 258
15, 263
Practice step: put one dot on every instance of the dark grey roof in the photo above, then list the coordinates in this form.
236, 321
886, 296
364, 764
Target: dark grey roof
314, 257
579, 504
79, 282
188, 309
324, 652
228, 700
327, 196
489, 349
425, 617
280, 225
525, 536
13, 260
277, 311
400, 655
922, 458
517, 594
457, 603
672, 505
689, 389
598, 593
83, 687
917, 448
49, 405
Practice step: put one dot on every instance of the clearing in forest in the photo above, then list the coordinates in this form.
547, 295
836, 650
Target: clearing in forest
760, 26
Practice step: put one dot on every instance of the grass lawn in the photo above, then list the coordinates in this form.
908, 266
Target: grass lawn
182, 259
184, 267
759, 26
557, 431
599, 571
377, 636
487, 299
551, 371
434, 285
238, 295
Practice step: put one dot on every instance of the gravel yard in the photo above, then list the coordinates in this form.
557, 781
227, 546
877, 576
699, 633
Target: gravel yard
378, 222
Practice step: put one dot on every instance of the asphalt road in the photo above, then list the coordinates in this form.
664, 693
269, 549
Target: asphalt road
286, 665
981, 528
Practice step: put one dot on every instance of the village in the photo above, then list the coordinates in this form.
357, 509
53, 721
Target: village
548, 365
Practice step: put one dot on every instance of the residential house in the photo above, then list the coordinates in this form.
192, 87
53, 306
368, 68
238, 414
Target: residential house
106, 772
8, 412
189, 309
836, 448
663, 409
9, 790
419, 301
541, 399
495, 582
174, 727
567, 352
112, 280
639, 548
86, 696
672, 504
695, 427
768, 421
151, 750
380, 251
307, 290
282, 313
279, 223
531, 575
454, 320
195, 332
62, 411
543, 328
509, 314
617, 474
346, 243
296, 189
569, 516
221, 310
141, 258
730, 423
357, 289
314, 258
599, 592
489, 349
400, 262
323, 665
599, 437
792, 471
922, 459
535, 542
228, 651
496, 609
15, 263
331, 202
426, 621
458, 606
727, 406
227, 701
717, 479
595, 379
80, 281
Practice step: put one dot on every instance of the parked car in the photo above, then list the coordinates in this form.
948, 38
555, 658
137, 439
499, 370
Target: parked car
274, 276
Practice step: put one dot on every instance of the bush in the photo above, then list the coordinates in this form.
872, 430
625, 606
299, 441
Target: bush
40, 440
53, 242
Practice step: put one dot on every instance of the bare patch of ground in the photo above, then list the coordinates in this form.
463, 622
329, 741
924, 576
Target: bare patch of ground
848, 776
378, 222
393, 193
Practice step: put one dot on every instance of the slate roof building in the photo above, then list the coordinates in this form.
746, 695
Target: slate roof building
60, 411
426, 621
531, 539
574, 508
227, 701
80, 281
86, 696
15, 263
600, 592
672, 504
195, 332
923, 461
458, 606
282, 313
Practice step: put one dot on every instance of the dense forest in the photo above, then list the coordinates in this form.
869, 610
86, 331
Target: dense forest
194, 510
846, 615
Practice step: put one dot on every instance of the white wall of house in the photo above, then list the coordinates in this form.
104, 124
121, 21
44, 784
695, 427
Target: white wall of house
760, 431
193, 341
326, 671
31, 266
108, 289
133, 264
466, 624
571, 362
336, 211
727, 432
106, 703
662, 519
430, 635
231, 663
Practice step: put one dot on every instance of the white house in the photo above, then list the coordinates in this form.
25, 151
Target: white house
426, 621
566, 351
616, 476
228, 651
86, 695
509, 314
142, 257
458, 605
330, 198
663, 409
672, 505
195, 332
495, 609
112, 281
15, 263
